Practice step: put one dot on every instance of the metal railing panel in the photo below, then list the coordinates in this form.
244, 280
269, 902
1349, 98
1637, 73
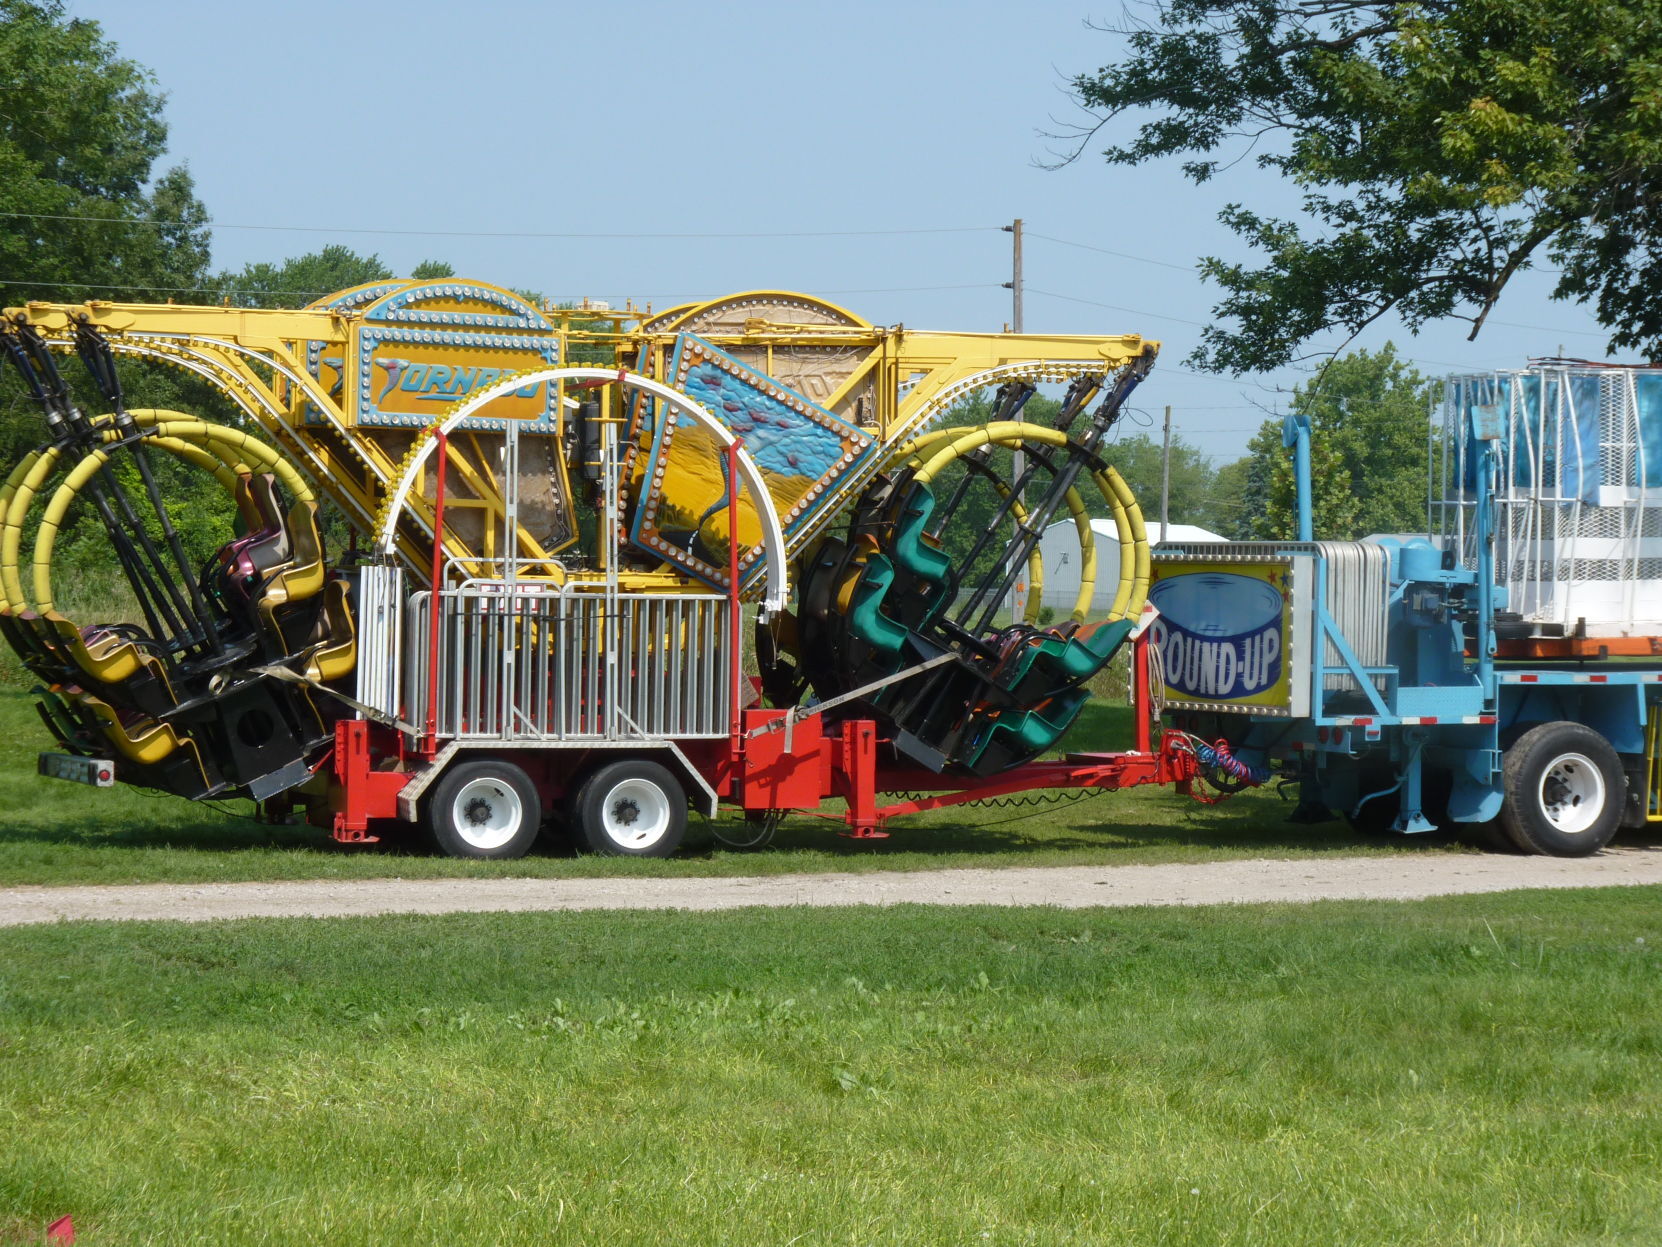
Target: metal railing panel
571, 666
380, 637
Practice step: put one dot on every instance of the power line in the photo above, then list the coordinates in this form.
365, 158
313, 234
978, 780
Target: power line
457, 233
1122, 255
234, 290
1183, 268
1580, 333
1186, 268
1113, 307
974, 285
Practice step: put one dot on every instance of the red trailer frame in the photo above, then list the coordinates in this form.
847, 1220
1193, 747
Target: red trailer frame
777, 761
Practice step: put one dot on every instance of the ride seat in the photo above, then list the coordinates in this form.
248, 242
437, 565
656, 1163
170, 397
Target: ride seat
108, 659
302, 579
913, 549
335, 656
147, 743
1018, 737
865, 615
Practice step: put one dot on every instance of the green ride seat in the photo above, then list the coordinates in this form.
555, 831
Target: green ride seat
1045, 666
1016, 737
865, 616
912, 548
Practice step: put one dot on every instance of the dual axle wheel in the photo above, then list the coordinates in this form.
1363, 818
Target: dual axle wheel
489, 809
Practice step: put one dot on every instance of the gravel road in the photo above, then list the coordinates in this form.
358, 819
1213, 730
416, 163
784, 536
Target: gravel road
1068, 887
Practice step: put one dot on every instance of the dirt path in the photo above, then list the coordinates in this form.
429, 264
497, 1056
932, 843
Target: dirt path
1068, 887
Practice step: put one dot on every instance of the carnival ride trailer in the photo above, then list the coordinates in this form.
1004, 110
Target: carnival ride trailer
557, 521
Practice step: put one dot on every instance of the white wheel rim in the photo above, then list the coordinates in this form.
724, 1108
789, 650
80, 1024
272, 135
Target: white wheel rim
635, 814
486, 813
1572, 793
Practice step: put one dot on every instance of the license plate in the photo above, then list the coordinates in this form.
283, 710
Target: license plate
99, 772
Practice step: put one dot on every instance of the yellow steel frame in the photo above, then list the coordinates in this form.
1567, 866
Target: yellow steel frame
255, 357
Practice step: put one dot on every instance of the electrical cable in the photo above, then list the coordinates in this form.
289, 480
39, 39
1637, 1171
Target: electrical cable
467, 233
309, 295
1060, 796
1112, 307
1122, 255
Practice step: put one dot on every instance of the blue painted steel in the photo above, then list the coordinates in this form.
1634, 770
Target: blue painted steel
1448, 705
1328, 630
1411, 817
1295, 435
1485, 437
1647, 387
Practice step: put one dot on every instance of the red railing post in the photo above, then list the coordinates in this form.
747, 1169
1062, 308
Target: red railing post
1139, 689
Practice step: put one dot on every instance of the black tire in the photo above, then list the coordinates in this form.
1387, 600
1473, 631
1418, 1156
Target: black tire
488, 810
1564, 791
630, 808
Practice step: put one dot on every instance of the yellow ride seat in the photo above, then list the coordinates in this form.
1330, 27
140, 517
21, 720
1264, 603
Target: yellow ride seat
149, 744
110, 659
269, 554
244, 499
336, 653
303, 578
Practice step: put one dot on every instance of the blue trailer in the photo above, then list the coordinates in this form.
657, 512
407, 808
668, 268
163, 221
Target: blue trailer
1376, 674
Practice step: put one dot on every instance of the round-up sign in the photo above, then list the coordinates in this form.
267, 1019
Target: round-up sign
1219, 634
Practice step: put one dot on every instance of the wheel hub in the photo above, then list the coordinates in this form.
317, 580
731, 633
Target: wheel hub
1572, 793
635, 813
486, 813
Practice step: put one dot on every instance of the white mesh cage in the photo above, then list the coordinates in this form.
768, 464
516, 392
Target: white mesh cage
1578, 504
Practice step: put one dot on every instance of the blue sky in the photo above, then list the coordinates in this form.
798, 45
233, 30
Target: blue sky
421, 130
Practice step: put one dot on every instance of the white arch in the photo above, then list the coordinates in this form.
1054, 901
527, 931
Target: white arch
773, 532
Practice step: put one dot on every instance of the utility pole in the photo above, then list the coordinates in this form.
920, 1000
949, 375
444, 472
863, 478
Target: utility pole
1165, 478
1018, 460
1014, 284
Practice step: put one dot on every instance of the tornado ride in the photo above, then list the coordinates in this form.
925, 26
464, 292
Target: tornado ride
557, 523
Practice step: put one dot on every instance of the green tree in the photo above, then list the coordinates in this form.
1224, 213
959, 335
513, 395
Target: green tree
432, 270
81, 131
1440, 148
1226, 504
1271, 509
302, 279
82, 216
1137, 459
1368, 452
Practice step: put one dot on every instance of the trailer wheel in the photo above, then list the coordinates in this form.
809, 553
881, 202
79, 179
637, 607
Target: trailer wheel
631, 808
1564, 791
486, 809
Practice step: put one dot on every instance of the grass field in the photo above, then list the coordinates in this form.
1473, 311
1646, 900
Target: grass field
1479, 1070
54, 832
